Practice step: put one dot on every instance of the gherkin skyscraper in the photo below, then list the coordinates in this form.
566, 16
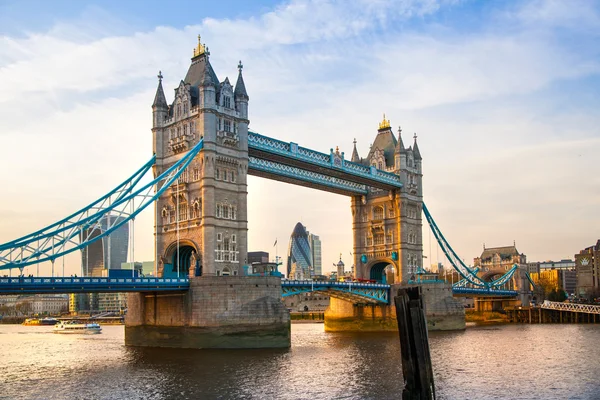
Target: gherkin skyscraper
299, 262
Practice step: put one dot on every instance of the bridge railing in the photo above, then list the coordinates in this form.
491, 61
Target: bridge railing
314, 157
90, 281
573, 307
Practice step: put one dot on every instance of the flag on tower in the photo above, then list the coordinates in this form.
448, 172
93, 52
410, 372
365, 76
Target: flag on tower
275, 244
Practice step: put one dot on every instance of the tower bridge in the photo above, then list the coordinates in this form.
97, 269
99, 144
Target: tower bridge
203, 151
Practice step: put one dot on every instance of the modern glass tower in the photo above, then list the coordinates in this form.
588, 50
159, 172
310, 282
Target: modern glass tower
108, 252
300, 260
315, 249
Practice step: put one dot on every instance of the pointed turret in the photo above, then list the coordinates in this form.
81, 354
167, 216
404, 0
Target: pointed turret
400, 145
160, 99
240, 88
355, 158
239, 94
416, 152
160, 108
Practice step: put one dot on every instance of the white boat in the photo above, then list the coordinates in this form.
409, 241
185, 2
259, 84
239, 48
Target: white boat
74, 327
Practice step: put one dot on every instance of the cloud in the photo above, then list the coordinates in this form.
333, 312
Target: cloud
75, 113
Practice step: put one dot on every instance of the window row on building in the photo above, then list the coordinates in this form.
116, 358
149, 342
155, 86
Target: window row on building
183, 129
227, 125
226, 249
225, 175
226, 211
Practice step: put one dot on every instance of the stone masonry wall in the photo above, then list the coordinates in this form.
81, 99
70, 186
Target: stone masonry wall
217, 312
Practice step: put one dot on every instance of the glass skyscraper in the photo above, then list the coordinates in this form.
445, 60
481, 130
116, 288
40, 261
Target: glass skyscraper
300, 260
315, 249
111, 249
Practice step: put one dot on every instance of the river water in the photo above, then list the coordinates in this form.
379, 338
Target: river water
493, 362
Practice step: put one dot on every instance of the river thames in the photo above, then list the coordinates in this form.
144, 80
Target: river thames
492, 362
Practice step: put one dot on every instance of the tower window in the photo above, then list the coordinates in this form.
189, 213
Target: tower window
227, 101
219, 210
219, 237
227, 125
232, 176
377, 212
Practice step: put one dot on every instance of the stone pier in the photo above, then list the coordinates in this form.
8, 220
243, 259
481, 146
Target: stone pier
442, 311
217, 312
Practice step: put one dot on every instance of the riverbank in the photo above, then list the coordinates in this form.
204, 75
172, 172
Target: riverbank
485, 317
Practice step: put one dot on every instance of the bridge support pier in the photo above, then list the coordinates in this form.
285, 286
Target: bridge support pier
442, 311
217, 312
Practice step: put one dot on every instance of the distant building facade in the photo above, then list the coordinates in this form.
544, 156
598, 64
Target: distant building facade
108, 252
299, 259
41, 304
315, 249
587, 266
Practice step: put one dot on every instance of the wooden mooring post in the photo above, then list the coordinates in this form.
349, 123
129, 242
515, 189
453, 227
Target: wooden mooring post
414, 344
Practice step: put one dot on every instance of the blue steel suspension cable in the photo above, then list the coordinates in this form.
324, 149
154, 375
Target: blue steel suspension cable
38, 255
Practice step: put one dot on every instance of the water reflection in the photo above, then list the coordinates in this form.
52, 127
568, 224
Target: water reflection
512, 361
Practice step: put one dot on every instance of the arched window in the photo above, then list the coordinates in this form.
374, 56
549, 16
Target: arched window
379, 165
226, 272
226, 212
377, 212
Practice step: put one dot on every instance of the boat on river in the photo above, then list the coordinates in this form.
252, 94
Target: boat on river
40, 321
74, 327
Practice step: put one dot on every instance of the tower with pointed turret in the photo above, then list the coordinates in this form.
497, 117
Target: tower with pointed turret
387, 225
201, 220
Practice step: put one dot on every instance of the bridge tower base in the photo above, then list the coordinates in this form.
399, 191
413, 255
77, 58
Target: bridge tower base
442, 311
217, 312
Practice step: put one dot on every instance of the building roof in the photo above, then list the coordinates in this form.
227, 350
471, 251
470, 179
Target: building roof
504, 252
240, 88
355, 158
416, 152
201, 73
160, 99
385, 141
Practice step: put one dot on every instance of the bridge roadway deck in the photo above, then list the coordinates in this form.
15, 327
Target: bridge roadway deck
355, 292
41, 285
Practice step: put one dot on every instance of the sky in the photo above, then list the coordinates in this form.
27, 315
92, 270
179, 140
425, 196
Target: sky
503, 96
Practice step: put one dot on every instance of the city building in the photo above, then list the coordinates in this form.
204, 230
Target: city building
43, 304
108, 252
299, 260
112, 302
259, 264
587, 266
499, 260
315, 250
562, 264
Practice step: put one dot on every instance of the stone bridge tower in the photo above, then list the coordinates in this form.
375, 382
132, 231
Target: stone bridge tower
388, 243
201, 221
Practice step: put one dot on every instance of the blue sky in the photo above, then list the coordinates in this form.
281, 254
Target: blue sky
503, 97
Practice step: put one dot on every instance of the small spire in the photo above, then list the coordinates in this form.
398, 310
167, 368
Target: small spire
355, 158
200, 48
240, 87
416, 152
159, 98
384, 124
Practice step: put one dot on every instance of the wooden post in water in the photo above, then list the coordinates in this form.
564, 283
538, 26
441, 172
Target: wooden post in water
414, 344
